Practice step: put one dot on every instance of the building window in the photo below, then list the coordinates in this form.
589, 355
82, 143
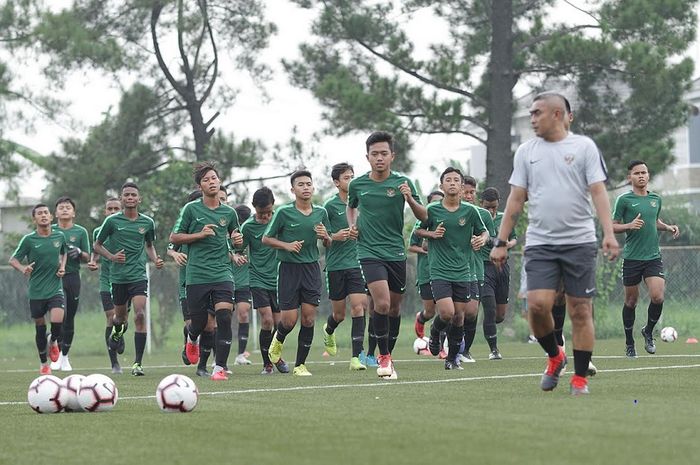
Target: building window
694, 138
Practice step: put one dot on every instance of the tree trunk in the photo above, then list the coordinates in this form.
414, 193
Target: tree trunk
199, 130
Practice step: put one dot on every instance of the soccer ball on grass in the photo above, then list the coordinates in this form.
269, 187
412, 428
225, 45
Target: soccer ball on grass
669, 334
177, 393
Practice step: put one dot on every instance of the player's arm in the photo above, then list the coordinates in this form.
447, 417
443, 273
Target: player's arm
180, 236
152, 255
413, 201
481, 231
20, 253
514, 208
322, 229
105, 232
599, 195
85, 252
178, 257
672, 228
274, 227
62, 258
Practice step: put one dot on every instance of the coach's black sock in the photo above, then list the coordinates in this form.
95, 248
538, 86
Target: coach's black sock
394, 327
198, 322
306, 337
653, 315
550, 345
628, 315
139, 346
581, 360
224, 334
243, 330
454, 340
559, 315
40, 339
206, 343
331, 324
371, 337
184, 333
469, 332
357, 333
281, 333
381, 330
112, 354
489, 324
265, 339
56, 333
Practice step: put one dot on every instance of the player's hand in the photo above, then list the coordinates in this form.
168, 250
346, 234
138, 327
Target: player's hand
159, 262
637, 222
611, 249
424, 245
239, 259
498, 256
439, 231
478, 242
405, 190
675, 230
179, 258
28, 269
74, 253
208, 230
354, 232
321, 232
294, 247
236, 238
61, 272
92, 265
119, 257
341, 235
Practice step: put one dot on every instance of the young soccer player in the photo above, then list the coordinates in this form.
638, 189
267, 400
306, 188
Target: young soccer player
241, 295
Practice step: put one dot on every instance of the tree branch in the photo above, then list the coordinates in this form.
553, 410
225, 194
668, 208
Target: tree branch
181, 47
155, 14
544, 37
451, 131
205, 18
266, 178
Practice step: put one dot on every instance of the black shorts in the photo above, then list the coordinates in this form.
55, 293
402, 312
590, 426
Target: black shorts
264, 298
475, 290
425, 292
458, 291
107, 302
204, 297
394, 273
184, 310
342, 283
496, 282
123, 293
634, 270
241, 295
39, 307
546, 265
298, 283
71, 289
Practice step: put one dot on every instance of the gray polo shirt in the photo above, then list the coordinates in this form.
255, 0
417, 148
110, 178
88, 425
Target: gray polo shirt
557, 176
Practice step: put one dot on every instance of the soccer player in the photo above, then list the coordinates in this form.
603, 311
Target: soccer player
130, 233
263, 275
294, 231
112, 206
77, 250
636, 214
375, 211
344, 278
241, 294
451, 227
555, 172
45, 251
206, 225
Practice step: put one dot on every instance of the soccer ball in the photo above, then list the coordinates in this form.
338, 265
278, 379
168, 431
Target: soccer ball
47, 395
177, 393
669, 334
97, 393
72, 386
420, 344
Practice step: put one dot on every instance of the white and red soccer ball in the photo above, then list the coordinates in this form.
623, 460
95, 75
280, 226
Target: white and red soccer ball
72, 386
97, 393
46, 394
177, 393
669, 334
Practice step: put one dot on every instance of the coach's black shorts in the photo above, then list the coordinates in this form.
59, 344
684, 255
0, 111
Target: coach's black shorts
496, 282
458, 291
546, 265
298, 283
122, 293
71, 290
425, 292
342, 283
107, 302
634, 270
241, 295
264, 298
394, 273
39, 307
204, 297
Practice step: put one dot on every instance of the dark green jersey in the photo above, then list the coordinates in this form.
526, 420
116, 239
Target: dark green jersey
492, 226
422, 265
341, 255
449, 255
182, 271
380, 220
76, 236
45, 252
643, 243
105, 265
130, 236
241, 275
478, 257
288, 224
262, 259
208, 259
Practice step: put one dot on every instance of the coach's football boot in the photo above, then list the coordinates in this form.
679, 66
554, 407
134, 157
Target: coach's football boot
282, 366
555, 365
241, 360
386, 366
44, 369
453, 365
267, 370
630, 351
301, 370
192, 350
329, 342
495, 354
137, 370
54, 351
355, 364
579, 386
649, 344
592, 370
275, 350
219, 374
419, 327
466, 358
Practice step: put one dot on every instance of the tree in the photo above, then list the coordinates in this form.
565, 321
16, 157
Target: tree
622, 63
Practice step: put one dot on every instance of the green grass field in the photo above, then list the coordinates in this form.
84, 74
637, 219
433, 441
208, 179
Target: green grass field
639, 411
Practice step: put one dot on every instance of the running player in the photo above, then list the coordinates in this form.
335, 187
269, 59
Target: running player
241, 294
45, 251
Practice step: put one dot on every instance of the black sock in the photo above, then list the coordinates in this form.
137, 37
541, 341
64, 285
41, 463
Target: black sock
371, 337
357, 334
224, 334
184, 333
421, 317
306, 337
265, 339
66, 339
56, 333
438, 325
628, 315
40, 339
206, 342
489, 324
394, 328
139, 346
331, 324
281, 333
243, 329
112, 354
469, 333
381, 330
653, 315
198, 322
454, 340
581, 360
549, 344
559, 315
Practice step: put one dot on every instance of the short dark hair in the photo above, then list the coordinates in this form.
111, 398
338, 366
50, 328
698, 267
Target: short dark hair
634, 163
130, 184
194, 195
490, 194
469, 180
380, 136
435, 194
200, 169
549, 94
243, 212
64, 199
299, 174
112, 199
451, 169
263, 197
223, 188
340, 168
38, 206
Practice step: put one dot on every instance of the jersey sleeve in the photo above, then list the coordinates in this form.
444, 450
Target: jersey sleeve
658, 211
331, 212
22, 250
85, 241
414, 192
234, 223
275, 225
414, 239
245, 232
150, 236
596, 170
519, 176
353, 199
105, 230
619, 209
325, 219
182, 224
481, 224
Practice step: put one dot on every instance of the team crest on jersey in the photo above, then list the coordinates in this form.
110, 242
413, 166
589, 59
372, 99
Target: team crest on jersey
72, 239
222, 221
653, 203
462, 221
569, 159
142, 230
390, 192
57, 244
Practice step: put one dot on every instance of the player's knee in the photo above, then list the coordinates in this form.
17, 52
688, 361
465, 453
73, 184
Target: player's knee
139, 318
211, 324
657, 299
631, 301
223, 318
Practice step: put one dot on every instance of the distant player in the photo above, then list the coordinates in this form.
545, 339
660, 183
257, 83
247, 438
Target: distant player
241, 295
636, 214
45, 251
294, 231
130, 233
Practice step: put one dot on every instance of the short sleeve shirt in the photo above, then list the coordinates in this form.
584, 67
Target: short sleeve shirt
422, 265
44, 252
341, 255
262, 259
76, 236
486, 249
288, 224
130, 236
643, 243
105, 265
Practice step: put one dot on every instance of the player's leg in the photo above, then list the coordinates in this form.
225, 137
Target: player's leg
631, 277
207, 343
471, 314
108, 308
358, 305
243, 298
38, 309
656, 284
120, 294
138, 301
336, 282
397, 286
370, 359
428, 311
223, 310
310, 295
559, 315
288, 291
71, 290
488, 303
455, 332
376, 274
442, 292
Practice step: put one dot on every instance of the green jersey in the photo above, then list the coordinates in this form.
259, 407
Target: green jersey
478, 257
449, 256
76, 236
485, 251
341, 255
288, 224
208, 260
182, 271
105, 265
380, 222
241, 275
131, 236
45, 252
261, 258
422, 265
643, 243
